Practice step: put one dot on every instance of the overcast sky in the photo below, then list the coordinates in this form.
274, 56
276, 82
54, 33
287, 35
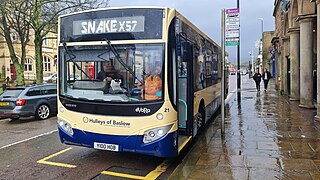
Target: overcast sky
206, 15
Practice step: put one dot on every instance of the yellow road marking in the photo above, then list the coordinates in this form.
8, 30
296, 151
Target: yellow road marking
151, 175
44, 160
159, 170
184, 144
56, 164
122, 175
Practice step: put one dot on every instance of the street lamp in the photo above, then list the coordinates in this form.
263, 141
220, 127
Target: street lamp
261, 19
261, 45
252, 67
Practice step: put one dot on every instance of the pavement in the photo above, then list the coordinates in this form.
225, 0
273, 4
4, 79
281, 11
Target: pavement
266, 137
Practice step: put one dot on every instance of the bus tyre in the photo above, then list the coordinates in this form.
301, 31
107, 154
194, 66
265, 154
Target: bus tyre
43, 112
202, 116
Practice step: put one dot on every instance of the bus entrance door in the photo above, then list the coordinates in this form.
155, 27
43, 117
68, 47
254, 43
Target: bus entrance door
185, 90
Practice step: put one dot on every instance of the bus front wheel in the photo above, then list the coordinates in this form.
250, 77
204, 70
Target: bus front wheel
202, 116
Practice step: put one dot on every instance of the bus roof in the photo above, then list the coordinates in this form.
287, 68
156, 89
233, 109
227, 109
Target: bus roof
185, 20
178, 14
115, 8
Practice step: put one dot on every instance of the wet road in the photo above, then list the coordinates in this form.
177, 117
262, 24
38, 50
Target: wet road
31, 149
25, 128
24, 142
267, 137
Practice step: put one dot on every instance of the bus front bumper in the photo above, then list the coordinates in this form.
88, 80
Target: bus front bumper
164, 147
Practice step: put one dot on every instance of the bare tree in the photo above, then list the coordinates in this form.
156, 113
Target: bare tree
44, 19
14, 19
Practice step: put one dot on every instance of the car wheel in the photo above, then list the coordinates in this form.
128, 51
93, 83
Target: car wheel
43, 112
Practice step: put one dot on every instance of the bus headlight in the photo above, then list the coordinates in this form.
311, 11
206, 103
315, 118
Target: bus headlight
156, 133
65, 126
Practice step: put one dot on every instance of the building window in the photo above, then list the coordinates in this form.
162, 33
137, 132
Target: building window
45, 42
14, 35
46, 64
28, 64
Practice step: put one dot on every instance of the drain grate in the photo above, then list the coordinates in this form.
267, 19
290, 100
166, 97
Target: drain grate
122, 170
248, 97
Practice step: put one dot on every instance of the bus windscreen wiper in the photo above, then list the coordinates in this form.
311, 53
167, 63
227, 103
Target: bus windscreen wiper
72, 57
127, 68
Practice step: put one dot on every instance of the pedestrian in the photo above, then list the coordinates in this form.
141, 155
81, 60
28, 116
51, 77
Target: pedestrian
8, 79
257, 79
266, 76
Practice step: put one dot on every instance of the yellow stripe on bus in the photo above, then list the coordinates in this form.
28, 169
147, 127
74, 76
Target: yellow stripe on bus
122, 175
184, 144
44, 160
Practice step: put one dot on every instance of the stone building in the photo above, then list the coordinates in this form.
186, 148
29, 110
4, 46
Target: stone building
267, 48
49, 52
296, 44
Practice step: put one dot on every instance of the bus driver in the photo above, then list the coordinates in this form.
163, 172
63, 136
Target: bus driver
108, 73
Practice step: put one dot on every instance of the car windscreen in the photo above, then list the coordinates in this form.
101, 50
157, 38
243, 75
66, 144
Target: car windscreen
11, 93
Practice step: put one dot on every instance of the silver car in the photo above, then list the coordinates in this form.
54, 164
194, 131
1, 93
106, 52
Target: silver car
35, 100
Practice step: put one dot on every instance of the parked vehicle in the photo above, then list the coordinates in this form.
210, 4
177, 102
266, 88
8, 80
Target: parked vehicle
233, 71
74, 77
51, 78
36, 100
243, 72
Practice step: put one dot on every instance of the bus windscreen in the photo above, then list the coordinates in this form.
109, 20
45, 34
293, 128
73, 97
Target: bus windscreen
93, 73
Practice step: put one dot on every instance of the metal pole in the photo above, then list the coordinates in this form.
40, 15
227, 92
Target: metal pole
238, 62
262, 28
261, 46
261, 62
223, 38
252, 57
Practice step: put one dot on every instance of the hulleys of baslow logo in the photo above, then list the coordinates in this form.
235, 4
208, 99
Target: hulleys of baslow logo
112, 123
109, 25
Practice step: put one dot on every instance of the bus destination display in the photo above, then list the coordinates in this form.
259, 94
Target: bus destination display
109, 25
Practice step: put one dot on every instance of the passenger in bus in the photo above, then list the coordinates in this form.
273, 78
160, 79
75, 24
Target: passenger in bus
152, 86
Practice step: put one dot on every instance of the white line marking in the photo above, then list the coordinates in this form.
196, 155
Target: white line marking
230, 95
44, 134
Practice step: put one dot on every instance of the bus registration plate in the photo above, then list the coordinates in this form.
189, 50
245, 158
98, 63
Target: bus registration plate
105, 146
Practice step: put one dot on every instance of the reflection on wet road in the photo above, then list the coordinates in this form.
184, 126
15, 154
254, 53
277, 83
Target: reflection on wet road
266, 138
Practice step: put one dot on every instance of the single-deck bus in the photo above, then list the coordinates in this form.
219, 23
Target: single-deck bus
136, 79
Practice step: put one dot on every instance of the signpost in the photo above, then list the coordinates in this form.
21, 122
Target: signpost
230, 36
232, 26
232, 33
223, 44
